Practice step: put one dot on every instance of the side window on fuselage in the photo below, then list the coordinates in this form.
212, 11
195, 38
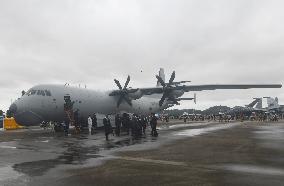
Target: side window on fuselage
38, 92
42, 93
29, 92
47, 93
33, 92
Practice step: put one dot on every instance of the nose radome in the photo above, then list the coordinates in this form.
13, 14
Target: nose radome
13, 109
28, 118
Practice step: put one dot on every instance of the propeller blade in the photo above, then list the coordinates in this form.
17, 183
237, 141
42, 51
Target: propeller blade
119, 101
127, 82
161, 81
172, 78
118, 84
162, 100
128, 101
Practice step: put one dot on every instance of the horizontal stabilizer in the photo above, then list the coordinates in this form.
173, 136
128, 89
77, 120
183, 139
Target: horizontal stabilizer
187, 99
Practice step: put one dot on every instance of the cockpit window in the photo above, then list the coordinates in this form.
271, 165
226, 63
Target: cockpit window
47, 92
42, 92
33, 92
38, 92
29, 92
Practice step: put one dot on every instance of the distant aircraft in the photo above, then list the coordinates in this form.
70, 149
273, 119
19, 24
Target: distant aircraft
46, 102
273, 105
255, 105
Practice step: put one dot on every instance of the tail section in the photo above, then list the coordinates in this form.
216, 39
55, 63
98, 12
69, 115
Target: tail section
272, 103
259, 104
162, 75
252, 104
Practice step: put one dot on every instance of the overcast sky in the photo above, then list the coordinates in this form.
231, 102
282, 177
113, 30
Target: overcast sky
94, 41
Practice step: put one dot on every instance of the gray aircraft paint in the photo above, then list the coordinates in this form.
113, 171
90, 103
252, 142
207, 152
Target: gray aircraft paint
33, 109
51, 108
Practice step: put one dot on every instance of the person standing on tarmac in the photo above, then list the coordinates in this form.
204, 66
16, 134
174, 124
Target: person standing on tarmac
126, 122
144, 124
76, 119
140, 126
134, 126
153, 123
117, 124
94, 122
90, 123
107, 127
135, 129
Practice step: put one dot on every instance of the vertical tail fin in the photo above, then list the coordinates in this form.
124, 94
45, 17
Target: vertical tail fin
162, 75
252, 104
259, 104
272, 103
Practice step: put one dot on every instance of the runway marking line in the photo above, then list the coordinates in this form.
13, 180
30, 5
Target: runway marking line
175, 163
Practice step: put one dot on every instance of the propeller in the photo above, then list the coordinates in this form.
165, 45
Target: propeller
167, 88
123, 92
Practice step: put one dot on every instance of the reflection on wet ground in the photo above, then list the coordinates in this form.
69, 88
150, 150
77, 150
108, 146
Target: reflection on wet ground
199, 131
51, 150
271, 136
24, 157
253, 169
74, 154
71, 150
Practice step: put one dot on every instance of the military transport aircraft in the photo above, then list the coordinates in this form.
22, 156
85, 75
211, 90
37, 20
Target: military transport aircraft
46, 102
255, 105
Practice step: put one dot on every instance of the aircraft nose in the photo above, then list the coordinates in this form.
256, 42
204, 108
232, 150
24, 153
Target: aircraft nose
28, 118
24, 117
13, 109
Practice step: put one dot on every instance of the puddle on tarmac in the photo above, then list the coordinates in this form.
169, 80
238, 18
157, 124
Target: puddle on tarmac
182, 125
81, 149
8, 176
8, 145
199, 131
254, 169
270, 136
75, 154
270, 132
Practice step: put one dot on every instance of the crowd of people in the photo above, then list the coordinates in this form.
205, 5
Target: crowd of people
239, 117
134, 125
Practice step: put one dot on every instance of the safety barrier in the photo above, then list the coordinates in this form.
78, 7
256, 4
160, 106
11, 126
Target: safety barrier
11, 124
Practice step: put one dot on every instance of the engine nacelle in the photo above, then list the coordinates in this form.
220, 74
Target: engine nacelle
136, 95
177, 93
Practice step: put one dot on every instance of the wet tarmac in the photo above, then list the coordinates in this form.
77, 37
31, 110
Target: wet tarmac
196, 153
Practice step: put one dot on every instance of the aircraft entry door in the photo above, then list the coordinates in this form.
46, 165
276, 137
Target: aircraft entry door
1, 122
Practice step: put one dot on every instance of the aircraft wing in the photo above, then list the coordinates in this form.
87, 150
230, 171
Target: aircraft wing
188, 88
227, 86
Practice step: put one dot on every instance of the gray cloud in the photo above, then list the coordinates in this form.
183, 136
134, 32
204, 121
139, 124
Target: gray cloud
92, 42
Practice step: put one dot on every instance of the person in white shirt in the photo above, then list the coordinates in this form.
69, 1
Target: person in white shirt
90, 123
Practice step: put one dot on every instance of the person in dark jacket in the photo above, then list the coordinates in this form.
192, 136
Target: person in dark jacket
117, 124
126, 122
136, 127
107, 127
94, 123
144, 122
153, 123
76, 120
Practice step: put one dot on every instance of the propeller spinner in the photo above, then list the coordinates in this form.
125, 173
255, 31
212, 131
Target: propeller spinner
167, 88
123, 92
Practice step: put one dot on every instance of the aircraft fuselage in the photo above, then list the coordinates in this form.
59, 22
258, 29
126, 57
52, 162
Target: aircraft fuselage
46, 103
